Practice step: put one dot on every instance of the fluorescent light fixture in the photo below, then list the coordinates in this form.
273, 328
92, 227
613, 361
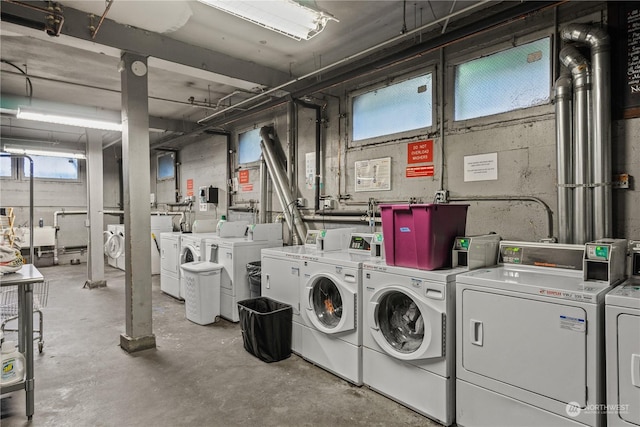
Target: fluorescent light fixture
35, 152
28, 113
286, 17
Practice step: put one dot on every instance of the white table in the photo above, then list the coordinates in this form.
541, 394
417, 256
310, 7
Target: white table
24, 279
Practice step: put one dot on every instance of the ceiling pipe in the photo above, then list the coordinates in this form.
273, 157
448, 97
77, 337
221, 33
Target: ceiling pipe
599, 42
564, 158
577, 64
348, 59
53, 16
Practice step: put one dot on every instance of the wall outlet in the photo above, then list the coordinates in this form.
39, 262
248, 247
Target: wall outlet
328, 204
301, 202
441, 196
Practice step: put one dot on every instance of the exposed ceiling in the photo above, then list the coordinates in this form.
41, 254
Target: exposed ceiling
201, 60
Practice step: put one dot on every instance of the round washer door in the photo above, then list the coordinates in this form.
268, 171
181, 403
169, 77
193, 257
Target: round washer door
330, 304
114, 245
405, 325
189, 254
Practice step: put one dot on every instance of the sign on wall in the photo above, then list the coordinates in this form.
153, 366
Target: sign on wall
373, 175
309, 170
419, 171
420, 152
483, 167
189, 187
243, 176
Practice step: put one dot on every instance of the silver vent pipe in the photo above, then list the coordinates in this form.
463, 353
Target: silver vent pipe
579, 67
264, 178
564, 158
279, 177
599, 42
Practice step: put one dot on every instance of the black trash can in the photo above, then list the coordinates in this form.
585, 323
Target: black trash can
266, 328
254, 273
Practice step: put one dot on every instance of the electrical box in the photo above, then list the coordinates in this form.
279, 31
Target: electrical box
209, 194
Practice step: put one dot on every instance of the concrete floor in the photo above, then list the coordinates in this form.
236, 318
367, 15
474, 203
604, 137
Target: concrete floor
197, 375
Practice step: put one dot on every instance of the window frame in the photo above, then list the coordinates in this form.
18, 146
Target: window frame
487, 50
23, 176
396, 79
175, 162
254, 163
12, 163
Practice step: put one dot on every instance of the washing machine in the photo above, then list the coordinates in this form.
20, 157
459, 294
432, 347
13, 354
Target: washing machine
234, 253
622, 319
114, 245
331, 306
170, 264
281, 279
530, 342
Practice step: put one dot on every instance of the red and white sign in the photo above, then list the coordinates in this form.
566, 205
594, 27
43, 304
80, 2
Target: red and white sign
247, 187
189, 187
419, 171
420, 152
243, 176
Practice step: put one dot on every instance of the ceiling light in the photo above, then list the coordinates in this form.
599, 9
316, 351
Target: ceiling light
34, 152
28, 113
283, 16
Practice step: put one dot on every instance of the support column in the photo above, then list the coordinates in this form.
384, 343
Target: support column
95, 206
137, 210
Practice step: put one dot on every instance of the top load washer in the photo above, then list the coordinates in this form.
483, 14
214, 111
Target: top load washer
234, 253
529, 337
622, 315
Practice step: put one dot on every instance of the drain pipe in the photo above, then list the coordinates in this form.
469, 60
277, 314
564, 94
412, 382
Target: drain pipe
564, 159
577, 64
316, 182
599, 42
264, 177
291, 212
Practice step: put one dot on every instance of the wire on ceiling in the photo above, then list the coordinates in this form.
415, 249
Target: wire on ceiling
29, 85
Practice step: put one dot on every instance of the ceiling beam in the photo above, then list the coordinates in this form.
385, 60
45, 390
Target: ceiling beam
114, 38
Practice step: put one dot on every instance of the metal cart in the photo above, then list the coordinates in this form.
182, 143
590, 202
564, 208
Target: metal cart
9, 309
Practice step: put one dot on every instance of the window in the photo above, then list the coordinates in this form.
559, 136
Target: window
166, 166
249, 150
52, 167
5, 166
393, 109
515, 78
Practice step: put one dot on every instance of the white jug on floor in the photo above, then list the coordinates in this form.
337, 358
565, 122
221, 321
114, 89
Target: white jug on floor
12, 364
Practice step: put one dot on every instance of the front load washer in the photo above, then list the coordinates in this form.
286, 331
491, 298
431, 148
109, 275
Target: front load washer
114, 245
529, 335
281, 279
622, 318
408, 336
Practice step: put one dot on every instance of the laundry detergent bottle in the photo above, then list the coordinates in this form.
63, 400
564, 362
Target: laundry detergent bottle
223, 219
12, 364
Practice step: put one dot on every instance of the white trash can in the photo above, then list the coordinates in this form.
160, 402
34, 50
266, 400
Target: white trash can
202, 291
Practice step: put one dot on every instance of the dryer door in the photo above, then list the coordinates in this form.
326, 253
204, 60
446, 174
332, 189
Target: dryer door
629, 367
405, 325
330, 303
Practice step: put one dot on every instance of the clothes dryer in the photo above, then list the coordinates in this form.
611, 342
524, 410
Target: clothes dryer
114, 245
529, 335
622, 315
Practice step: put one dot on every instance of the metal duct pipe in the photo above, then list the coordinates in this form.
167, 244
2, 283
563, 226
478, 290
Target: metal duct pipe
564, 158
291, 212
316, 180
264, 177
577, 64
598, 40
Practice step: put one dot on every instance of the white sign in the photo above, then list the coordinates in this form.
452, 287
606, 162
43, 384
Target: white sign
483, 167
373, 175
310, 170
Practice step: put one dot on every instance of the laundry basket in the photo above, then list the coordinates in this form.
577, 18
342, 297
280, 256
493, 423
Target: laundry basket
266, 328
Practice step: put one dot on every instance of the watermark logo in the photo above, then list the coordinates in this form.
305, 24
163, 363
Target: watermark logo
573, 409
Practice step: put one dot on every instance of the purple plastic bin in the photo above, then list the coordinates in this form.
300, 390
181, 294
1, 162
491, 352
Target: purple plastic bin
421, 236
